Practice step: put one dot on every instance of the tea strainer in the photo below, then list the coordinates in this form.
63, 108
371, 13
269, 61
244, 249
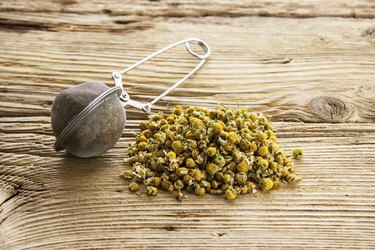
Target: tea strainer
88, 119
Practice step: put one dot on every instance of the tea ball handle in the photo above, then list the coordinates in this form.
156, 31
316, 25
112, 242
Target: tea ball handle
124, 96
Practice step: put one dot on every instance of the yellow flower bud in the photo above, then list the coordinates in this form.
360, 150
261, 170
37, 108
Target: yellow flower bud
297, 153
243, 166
230, 194
217, 128
211, 151
232, 137
266, 184
263, 151
142, 146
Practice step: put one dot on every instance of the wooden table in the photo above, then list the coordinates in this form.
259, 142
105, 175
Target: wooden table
309, 64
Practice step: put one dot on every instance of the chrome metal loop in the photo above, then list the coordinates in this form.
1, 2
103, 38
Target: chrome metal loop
117, 76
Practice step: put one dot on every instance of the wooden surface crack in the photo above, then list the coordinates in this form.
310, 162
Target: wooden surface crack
6, 200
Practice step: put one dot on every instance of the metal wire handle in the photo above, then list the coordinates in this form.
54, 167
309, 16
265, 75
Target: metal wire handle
117, 76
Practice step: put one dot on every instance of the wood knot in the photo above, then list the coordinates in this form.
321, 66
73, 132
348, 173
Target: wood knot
370, 31
169, 228
331, 109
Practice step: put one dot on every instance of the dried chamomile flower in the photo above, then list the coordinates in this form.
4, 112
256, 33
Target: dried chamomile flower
142, 146
178, 110
211, 151
134, 187
262, 137
200, 191
232, 137
177, 146
166, 185
230, 194
263, 151
292, 178
196, 174
157, 181
141, 138
298, 153
218, 151
243, 166
212, 169
128, 174
171, 155
151, 191
217, 128
180, 196
190, 163
182, 171
227, 178
266, 184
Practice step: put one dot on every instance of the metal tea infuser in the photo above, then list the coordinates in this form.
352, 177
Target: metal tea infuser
88, 119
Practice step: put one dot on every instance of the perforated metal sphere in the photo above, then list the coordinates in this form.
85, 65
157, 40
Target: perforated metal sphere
87, 119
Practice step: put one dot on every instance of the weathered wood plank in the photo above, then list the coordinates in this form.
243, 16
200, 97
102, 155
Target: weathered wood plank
21, 21
198, 8
297, 72
48, 200
314, 70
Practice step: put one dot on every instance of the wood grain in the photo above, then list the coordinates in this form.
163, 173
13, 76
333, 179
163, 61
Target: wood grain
198, 8
270, 67
315, 76
50, 200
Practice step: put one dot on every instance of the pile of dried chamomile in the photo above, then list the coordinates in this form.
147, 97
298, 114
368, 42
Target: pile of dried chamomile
214, 151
